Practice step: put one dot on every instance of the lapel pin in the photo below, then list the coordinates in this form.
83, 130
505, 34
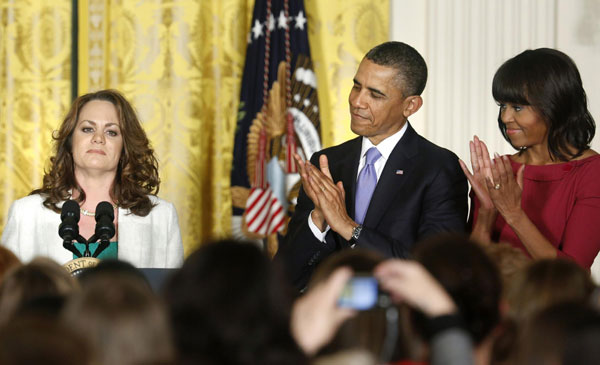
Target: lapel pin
399, 172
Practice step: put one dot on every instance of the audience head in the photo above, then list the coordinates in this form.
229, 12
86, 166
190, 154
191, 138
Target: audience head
509, 260
581, 346
114, 268
566, 333
36, 281
8, 260
547, 282
42, 341
136, 169
368, 330
548, 80
409, 64
229, 304
122, 319
469, 276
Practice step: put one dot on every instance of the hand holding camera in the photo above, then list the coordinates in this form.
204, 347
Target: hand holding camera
362, 292
409, 282
316, 315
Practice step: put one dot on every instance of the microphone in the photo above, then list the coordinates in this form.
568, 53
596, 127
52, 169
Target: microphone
69, 226
105, 228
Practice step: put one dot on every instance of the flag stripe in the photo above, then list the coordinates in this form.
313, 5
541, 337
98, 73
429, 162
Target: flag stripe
264, 213
255, 196
256, 210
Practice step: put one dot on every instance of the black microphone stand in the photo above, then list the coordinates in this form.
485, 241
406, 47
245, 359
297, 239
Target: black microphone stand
87, 252
101, 247
68, 244
104, 243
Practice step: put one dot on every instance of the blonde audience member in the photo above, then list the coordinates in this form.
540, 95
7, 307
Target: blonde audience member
45, 341
122, 319
41, 278
545, 283
509, 260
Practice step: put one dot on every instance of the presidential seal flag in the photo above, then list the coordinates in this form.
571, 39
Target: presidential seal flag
278, 116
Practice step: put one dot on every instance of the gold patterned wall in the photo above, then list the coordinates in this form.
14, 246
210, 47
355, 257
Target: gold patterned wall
341, 32
35, 90
180, 63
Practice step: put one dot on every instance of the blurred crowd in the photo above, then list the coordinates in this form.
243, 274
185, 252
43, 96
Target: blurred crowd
457, 302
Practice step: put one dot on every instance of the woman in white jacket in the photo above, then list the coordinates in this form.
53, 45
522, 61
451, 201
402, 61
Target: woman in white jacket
101, 154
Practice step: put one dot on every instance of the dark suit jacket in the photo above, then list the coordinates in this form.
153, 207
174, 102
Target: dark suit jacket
421, 191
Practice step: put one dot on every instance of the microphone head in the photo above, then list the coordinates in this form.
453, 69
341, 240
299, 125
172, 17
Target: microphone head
70, 209
68, 229
105, 209
105, 214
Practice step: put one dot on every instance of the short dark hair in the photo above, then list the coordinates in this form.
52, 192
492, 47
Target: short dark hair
549, 81
469, 275
412, 69
229, 305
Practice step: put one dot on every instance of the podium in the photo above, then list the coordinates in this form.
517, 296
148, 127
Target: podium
157, 277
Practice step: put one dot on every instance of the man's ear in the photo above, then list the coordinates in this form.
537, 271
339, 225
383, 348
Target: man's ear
412, 104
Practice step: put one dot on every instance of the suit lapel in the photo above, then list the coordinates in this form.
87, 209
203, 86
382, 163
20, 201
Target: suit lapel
398, 168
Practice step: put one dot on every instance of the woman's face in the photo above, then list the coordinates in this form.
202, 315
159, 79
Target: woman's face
97, 141
524, 125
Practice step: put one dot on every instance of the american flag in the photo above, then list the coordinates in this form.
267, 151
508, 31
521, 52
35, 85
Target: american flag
277, 41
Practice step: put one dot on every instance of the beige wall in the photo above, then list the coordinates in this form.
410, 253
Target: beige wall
465, 41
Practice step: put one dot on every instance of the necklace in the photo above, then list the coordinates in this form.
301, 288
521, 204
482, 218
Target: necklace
92, 214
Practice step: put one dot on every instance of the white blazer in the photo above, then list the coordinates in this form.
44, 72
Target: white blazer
153, 241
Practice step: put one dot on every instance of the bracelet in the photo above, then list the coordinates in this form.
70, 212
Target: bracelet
438, 324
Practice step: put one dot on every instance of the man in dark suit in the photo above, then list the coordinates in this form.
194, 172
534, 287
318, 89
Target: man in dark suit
419, 188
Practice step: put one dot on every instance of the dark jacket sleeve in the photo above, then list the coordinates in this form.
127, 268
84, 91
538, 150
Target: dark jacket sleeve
300, 251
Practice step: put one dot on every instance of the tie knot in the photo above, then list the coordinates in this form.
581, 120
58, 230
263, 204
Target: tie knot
372, 155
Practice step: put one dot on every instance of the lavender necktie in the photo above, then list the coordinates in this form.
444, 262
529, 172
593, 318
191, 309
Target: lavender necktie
367, 179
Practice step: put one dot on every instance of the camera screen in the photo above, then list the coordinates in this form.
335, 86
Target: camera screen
360, 293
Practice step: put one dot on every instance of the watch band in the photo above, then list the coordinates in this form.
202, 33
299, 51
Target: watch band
355, 234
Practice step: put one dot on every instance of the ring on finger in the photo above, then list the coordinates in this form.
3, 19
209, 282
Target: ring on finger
497, 186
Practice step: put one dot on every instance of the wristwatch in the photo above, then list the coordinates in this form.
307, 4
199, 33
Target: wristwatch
355, 234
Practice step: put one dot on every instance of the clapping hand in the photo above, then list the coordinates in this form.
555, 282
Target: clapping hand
328, 197
495, 186
504, 189
482, 172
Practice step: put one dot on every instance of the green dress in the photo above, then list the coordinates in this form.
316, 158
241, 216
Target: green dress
111, 252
